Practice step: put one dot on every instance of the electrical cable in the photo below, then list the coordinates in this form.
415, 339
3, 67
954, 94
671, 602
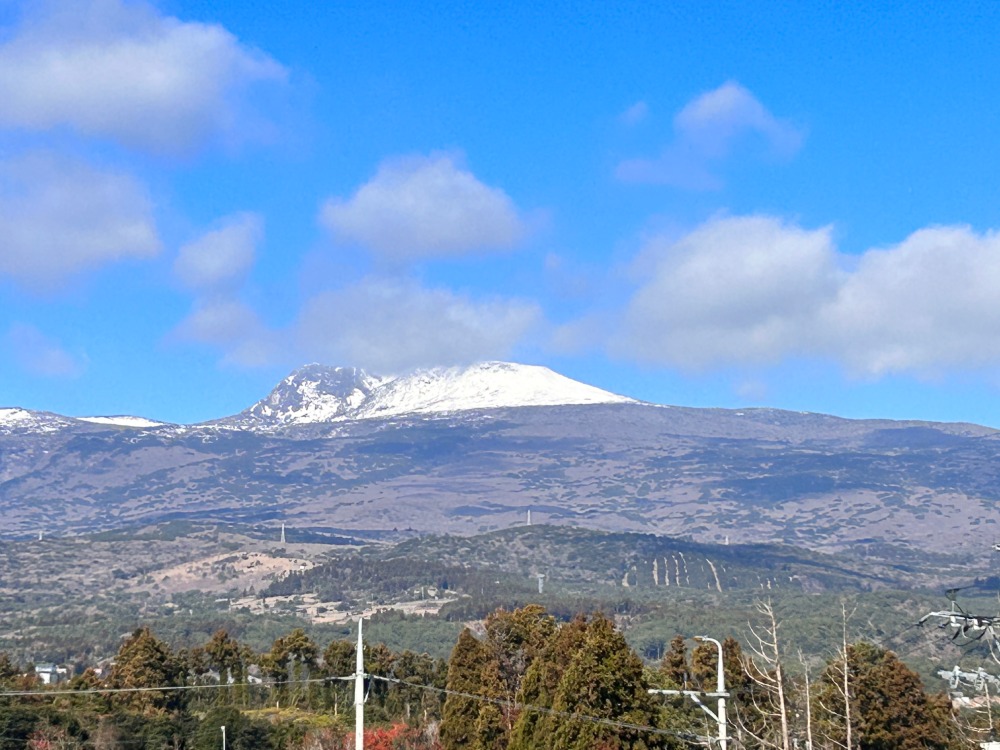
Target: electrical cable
542, 709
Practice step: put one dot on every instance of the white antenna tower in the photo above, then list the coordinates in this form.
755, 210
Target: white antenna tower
282, 532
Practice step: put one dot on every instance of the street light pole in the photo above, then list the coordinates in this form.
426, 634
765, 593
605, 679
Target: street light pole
720, 692
720, 687
223, 737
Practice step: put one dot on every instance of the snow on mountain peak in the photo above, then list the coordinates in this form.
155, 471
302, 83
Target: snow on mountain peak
12, 416
315, 393
489, 385
331, 394
16, 419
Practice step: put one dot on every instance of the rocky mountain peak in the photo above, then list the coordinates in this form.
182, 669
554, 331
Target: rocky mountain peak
314, 393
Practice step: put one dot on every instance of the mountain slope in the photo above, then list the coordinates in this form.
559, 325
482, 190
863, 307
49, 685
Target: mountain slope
437, 452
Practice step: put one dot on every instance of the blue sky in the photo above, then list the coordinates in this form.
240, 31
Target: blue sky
790, 204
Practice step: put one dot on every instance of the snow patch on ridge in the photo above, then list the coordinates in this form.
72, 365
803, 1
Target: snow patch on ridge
16, 419
13, 416
123, 421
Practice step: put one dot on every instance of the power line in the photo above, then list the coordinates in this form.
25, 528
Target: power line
543, 709
613, 723
165, 688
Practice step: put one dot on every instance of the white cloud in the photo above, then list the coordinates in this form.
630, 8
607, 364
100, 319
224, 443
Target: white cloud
233, 327
221, 257
634, 114
391, 326
740, 289
707, 131
59, 217
121, 70
925, 305
756, 290
39, 354
424, 207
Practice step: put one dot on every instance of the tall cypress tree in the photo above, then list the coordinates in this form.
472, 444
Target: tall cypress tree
604, 680
144, 661
890, 710
534, 728
674, 666
461, 712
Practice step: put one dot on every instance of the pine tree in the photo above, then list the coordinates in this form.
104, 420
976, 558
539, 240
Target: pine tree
674, 666
533, 728
144, 661
8, 670
514, 639
302, 656
604, 680
224, 655
461, 709
891, 711
339, 661
704, 666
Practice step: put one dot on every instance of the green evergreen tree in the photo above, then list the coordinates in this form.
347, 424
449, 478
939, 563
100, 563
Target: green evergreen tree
17, 724
242, 733
339, 661
8, 670
461, 712
704, 666
514, 638
890, 710
534, 728
604, 680
492, 724
223, 654
144, 661
674, 666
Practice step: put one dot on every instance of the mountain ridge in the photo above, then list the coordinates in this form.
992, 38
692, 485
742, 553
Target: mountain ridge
316, 394
802, 479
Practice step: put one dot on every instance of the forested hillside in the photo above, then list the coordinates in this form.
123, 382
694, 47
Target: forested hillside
522, 680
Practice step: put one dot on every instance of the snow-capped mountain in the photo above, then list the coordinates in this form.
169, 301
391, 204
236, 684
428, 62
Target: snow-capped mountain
490, 385
17, 420
373, 464
332, 394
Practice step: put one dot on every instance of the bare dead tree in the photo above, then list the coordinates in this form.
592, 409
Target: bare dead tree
807, 683
769, 727
840, 672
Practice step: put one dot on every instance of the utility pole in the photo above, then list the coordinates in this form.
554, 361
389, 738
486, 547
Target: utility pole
720, 692
720, 689
223, 728
359, 693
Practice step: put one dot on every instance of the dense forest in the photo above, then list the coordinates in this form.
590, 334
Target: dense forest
522, 679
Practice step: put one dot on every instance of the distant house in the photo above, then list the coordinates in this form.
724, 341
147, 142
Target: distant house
51, 674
